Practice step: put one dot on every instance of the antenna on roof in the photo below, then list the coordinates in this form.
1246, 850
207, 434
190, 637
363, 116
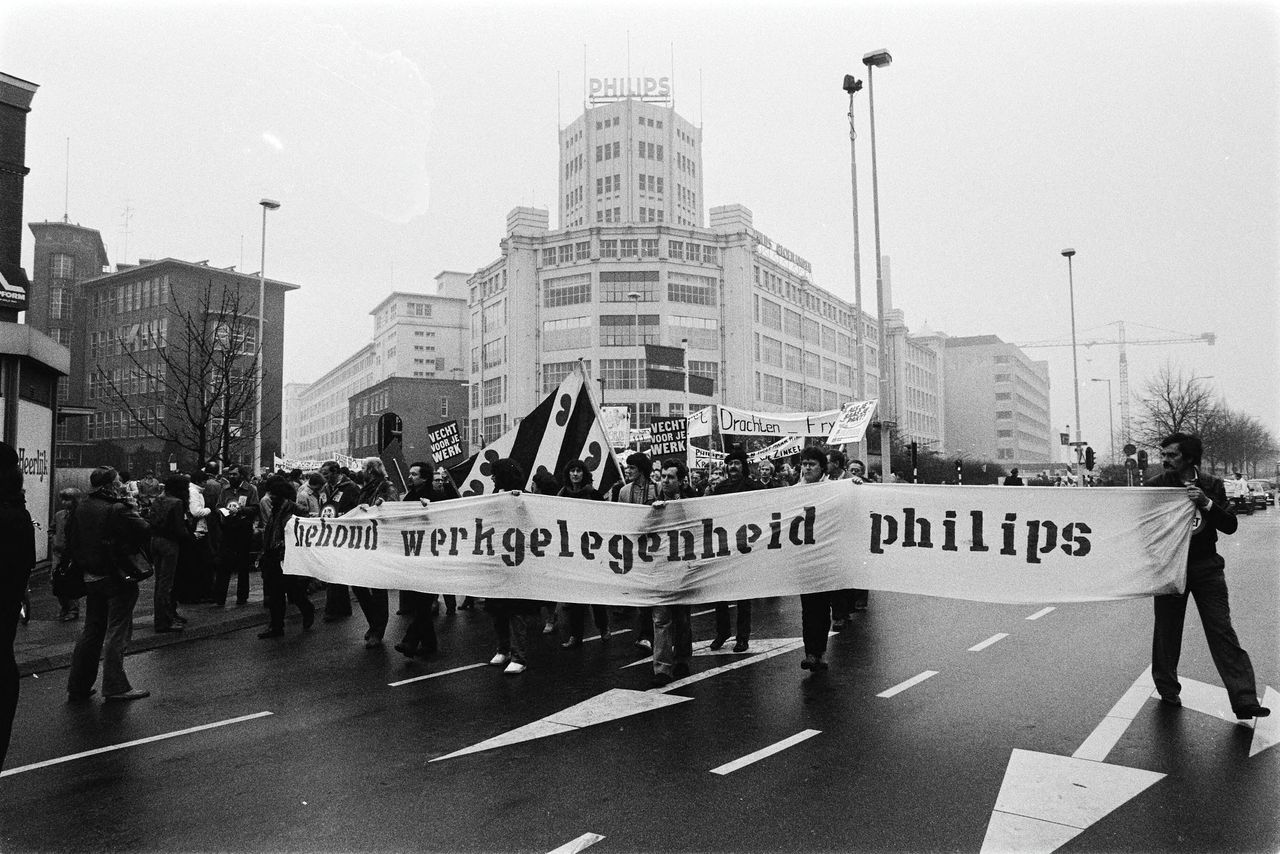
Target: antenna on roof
66, 191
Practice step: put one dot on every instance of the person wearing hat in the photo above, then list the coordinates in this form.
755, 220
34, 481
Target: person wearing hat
19, 538
737, 479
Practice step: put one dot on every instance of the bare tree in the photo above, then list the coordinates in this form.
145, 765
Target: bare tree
1174, 402
1239, 442
191, 381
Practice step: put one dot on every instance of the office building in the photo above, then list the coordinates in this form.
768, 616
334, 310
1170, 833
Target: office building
997, 403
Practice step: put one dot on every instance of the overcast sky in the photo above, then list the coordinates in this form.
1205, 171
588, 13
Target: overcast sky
398, 137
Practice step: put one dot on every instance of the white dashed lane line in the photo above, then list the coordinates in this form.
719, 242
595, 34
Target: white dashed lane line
582, 843
135, 743
1038, 614
979, 647
730, 767
914, 680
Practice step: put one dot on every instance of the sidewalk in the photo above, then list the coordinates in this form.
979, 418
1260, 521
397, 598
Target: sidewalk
44, 643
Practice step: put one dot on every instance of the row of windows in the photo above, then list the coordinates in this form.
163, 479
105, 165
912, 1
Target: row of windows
651, 183
609, 184
131, 338
577, 333
608, 151
62, 266
797, 395
122, 425
653, 123
629, 247
648, 150
132, 296
111, 384
59, 303
617, 286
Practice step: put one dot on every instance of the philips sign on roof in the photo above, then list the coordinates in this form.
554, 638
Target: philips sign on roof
604, 89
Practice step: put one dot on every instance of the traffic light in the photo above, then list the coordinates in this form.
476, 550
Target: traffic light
959, 466
915, 449
1088, 458
1142, 460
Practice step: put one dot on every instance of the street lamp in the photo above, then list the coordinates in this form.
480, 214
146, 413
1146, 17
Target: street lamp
1110, 417
634, 296
1075, 371
267, 205
879, 59
853, 85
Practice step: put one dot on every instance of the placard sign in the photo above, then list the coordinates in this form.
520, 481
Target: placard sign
668, 437
446, 441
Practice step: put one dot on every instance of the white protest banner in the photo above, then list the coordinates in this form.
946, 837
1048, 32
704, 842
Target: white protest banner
781, 448
289, 463
851, 424
617, 425
743, 422
1030, 545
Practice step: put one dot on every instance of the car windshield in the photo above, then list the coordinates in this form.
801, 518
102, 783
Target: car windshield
1260, 484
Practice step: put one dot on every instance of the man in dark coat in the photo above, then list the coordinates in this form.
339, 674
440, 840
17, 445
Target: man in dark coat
1180, 455
102, 527
737, 479
16, 560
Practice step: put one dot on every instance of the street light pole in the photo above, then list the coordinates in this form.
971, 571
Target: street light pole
1075, 370
1111, 421
879, 59
634, 296
267, 205
853, 85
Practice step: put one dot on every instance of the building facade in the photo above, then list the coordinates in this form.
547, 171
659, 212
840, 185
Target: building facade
159, 337
416, 336
64, 256
997, 403
420, 403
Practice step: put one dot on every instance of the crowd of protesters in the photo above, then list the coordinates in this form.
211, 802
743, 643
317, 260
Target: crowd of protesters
197, 532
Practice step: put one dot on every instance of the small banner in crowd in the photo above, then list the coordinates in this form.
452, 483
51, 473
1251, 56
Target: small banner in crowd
617, 425
1032, 545
851, 423
446, 442
291, 463
565, 426
742, 422
781, 448
668, 437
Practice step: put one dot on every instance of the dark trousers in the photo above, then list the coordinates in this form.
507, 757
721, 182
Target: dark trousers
194, 581
511, 627
744, 619
233, 559
672, 638
644, 624
578, 619
337, 600
1209, 586
420, 636
9, 608
108, 620
840, 601
376, 609
280, 589
164, 554
815, 621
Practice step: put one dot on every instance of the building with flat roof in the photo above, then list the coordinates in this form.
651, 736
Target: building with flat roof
997, 403
416, 336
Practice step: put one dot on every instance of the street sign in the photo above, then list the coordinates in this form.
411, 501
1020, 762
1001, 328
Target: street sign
1130, 449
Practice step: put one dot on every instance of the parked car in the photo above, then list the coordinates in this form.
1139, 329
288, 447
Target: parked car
1264, 492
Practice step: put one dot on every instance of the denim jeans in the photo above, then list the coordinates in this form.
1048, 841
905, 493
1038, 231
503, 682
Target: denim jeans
672, 638
108, 620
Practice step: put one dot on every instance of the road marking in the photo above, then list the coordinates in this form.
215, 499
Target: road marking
914, 680
785, 645
730, 767
703, 649
1038, 614
434, 675
582, 843
988, 642
614, 704
135, 743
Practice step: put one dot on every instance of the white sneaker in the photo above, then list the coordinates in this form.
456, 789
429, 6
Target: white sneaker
548, 628
514, 667
499, 659
645, 644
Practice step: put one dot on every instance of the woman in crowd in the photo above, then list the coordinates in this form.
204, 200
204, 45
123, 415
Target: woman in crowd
167, 520
278, 587
577, 484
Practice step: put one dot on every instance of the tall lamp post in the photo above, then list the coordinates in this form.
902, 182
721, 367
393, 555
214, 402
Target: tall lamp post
267, 205
853, 85
879, 59
1111, 421
1075, 370
634, 296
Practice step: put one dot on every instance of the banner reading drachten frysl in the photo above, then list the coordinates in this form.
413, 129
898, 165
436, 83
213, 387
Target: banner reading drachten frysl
1026, 545
743, 422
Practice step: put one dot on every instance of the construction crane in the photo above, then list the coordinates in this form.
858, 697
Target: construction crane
1122, 341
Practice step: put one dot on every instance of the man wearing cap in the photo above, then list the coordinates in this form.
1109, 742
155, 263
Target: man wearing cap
736, 480
19, 539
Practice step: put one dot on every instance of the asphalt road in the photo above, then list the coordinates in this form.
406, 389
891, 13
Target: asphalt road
312, 748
